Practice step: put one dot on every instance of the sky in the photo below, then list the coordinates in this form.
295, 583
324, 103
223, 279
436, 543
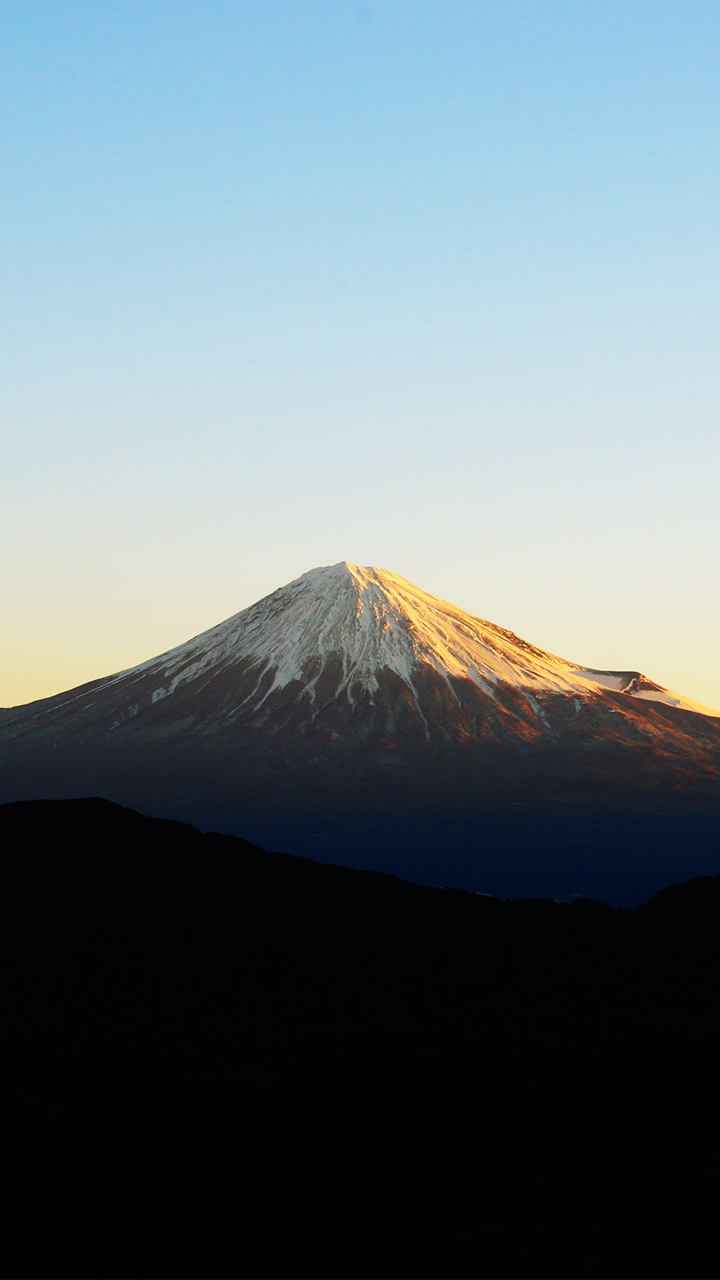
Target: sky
429, 286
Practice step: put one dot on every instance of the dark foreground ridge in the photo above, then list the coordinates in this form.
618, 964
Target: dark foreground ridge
225, 1062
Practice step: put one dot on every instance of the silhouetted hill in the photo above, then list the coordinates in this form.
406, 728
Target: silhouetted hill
223, 1062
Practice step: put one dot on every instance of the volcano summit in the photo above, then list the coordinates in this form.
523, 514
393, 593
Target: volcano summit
350, 692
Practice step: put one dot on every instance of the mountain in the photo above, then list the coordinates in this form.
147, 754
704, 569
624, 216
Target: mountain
352, 696
220, 1061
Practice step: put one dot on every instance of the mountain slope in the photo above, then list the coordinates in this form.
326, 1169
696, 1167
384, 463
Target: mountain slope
350, 688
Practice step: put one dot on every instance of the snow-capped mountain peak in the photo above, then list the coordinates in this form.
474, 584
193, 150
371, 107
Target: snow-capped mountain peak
350, 688
373, 621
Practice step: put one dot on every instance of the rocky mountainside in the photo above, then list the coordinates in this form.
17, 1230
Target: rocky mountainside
350, 691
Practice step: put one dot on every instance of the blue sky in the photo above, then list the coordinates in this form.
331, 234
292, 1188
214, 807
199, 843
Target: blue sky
428, 286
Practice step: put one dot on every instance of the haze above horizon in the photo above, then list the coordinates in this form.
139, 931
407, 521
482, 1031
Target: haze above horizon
434, 287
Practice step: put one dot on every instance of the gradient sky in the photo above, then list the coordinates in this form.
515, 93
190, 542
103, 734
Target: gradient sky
434, 287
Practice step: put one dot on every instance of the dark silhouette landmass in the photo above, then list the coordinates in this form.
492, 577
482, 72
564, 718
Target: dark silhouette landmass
223, 1062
